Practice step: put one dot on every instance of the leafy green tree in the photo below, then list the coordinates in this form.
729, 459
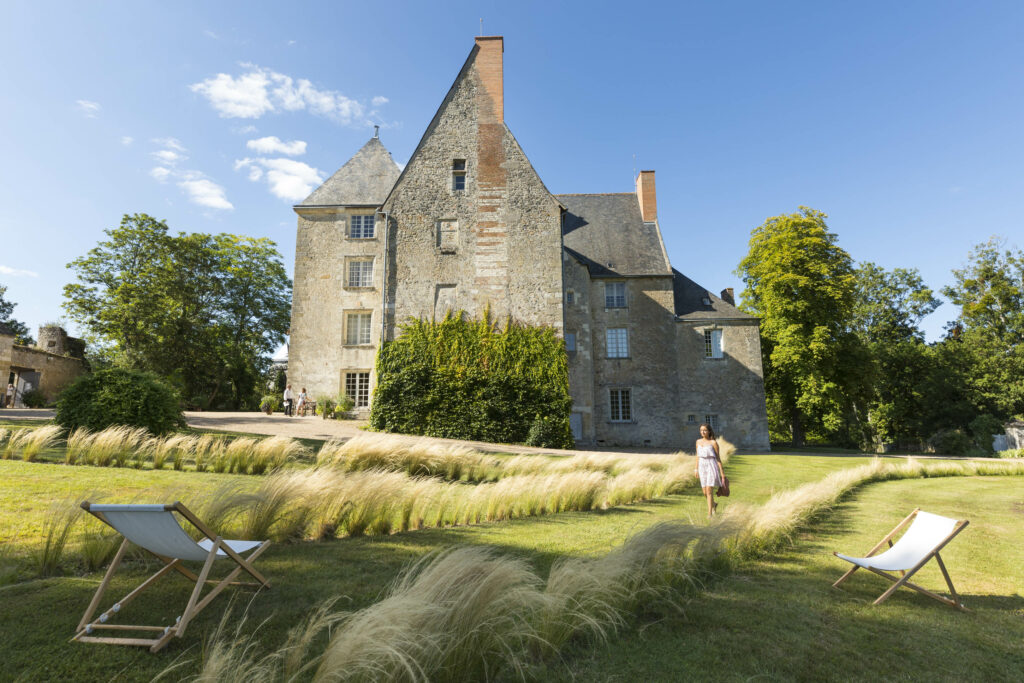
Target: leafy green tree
20, 329
990, 293
803, 286
887, 313
201, 311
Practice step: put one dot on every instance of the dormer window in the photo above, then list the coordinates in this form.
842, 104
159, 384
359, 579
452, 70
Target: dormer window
459, 175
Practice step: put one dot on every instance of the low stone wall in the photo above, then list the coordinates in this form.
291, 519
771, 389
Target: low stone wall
55, 372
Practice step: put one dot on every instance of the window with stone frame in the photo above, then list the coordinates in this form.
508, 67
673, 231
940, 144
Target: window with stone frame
713, 344
712, 421
361, 227
448, 236
357, 387
617, 342
620, 408
615, 295
458, 174
570, 297
357, 328
360, 273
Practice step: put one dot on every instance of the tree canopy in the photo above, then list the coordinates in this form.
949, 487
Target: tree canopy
20, 329
201, 311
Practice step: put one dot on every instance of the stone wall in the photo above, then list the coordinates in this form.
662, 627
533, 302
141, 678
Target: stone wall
318, 355
56, 372
730, 387
6, 348
581, 362
495, 243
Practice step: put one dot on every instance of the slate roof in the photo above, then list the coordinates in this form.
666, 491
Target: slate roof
364, 180
608, 235
689, 298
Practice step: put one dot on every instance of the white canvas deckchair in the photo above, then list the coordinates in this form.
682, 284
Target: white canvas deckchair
927, 535
155, 529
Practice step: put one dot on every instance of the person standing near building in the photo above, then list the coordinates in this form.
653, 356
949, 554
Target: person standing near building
709, 466
9, 400
289, 399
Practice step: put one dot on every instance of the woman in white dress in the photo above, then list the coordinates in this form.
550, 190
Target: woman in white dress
709, 466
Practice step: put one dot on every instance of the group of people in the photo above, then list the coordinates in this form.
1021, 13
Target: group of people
290, 407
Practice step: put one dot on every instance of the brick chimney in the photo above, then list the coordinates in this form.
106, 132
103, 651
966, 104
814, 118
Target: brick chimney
647, 197
489, 66
728, 297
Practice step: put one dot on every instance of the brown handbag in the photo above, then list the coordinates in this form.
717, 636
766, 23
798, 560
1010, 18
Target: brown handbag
723, 490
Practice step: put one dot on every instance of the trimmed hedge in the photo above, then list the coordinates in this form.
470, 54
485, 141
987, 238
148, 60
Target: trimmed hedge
119, 397
467, 379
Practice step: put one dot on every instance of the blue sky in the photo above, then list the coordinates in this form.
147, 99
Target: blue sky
902, 121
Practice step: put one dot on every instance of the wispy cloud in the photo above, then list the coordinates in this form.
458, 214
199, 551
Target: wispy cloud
210, 34
379, 100
260, 91
196, 186
244, 130
274, 145
88, 108
17, 272
287, 178
127, 140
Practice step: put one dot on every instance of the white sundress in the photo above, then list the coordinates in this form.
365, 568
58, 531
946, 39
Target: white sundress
708, 466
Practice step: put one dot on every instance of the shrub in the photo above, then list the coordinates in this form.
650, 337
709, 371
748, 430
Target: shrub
982, 428
119, 397
549, 432
270, 403
468, 379
344, 403
952, 442
33, 398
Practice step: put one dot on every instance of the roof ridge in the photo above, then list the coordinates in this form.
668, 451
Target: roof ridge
594, 194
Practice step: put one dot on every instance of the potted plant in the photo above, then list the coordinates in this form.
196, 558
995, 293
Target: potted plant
269, 403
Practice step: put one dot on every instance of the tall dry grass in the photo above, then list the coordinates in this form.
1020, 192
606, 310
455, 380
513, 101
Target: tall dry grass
472, 614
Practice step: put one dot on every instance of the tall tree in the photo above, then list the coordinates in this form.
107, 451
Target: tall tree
203, 311
990, 293
803, 285
20, 329
887, 313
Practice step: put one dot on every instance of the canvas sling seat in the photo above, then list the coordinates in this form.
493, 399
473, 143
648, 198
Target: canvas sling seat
155, 528
927, 535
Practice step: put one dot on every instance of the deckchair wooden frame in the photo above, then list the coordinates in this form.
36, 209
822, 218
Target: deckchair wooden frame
904, 578
195, 605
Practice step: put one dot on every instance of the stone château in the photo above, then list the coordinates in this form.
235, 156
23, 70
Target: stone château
469, 223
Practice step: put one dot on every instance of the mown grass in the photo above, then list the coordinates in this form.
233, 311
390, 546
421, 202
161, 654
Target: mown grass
360, 569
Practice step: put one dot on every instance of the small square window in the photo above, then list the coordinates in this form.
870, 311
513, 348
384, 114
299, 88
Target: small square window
570, 342
362, 227
570, 297
691, 419
615, 295
360, 274
459, 174
617, 339
620, 405
357, 328
713, 344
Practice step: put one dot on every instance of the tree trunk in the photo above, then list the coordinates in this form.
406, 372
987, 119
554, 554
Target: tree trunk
797, 427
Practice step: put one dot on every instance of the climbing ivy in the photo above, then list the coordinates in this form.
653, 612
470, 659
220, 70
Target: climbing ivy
465, 378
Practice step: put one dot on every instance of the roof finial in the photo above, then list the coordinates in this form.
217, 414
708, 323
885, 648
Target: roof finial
376, 131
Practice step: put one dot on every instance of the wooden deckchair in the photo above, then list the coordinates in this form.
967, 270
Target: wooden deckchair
927, 535
155, 529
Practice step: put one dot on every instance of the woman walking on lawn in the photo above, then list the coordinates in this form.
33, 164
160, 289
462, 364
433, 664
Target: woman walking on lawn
709, 466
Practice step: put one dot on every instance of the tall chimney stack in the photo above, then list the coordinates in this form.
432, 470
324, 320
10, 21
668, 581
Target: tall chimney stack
647, 197
489, 66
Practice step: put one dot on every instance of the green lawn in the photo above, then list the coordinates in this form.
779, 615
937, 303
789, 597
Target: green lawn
765, 621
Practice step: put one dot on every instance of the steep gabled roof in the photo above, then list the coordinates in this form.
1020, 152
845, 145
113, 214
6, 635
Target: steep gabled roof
690, 297
364, 180
607, 231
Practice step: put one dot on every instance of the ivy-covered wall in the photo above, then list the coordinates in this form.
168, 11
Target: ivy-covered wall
470, 379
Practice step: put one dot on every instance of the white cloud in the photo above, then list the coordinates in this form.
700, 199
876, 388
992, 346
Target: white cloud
244, 130
205, 192
169, 156
89, 109
160, 173
170, 143
127, 140
287, 178
17, 272
379, 100
274, 145
260, 91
